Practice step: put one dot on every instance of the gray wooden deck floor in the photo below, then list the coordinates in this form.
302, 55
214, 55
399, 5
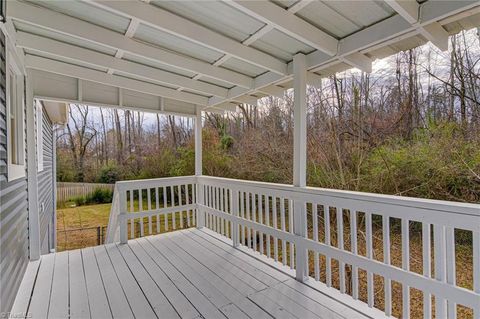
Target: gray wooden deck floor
184, 274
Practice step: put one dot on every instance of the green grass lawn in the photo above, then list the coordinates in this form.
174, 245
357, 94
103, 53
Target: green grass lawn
83, 216
77, 226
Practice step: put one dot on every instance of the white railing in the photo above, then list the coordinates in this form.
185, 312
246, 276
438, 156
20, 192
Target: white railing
151, 206
366, 246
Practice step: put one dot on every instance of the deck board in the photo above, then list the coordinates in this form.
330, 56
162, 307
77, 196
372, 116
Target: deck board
183, 306
138, 302
119, 305
41, 292
60, 292
96, 294
160, 304
230, 273
79, 307
195, 296
186, 274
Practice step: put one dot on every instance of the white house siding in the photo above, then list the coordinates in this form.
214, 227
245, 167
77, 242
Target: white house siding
13, 211
45, 188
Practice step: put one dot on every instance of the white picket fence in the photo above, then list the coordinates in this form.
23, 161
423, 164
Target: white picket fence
66, 191
290, 226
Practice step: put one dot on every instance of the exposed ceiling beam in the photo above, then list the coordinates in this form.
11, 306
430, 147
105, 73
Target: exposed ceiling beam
274, 90
61, 49
166, 21
132, 28
288, 23
80, 29
409, 10
44, 64
260, 33
391, 29
436, 34
359, 61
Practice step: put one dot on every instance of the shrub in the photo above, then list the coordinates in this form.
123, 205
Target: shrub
79, 200
99, 196
109, 174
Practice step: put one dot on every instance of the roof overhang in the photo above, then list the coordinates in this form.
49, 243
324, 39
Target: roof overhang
175, 56
56, 111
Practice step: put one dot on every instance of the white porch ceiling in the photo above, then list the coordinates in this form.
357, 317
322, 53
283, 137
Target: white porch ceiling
214, 54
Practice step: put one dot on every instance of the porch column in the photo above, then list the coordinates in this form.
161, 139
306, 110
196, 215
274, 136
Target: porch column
32, 184
198, 142
198, 166
300, 159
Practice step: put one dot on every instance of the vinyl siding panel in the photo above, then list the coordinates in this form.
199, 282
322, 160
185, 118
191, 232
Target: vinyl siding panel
45, 186
13, 211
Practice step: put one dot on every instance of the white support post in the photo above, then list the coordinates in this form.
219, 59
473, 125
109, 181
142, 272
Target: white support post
300, 120
198, 165
122, 198
33, 217
198, 142
54, 181
300, 159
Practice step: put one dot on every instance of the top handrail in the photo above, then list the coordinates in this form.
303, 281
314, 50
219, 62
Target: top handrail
413, 202
440, 206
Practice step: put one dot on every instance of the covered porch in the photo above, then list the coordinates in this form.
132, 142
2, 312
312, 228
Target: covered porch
213, 247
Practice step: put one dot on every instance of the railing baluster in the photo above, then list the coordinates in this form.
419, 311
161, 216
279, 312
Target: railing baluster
427, 272
282, 221
234, 212
180, 203
217, 207
260, 220
210, 204
247, 209
242, 215
440, 267
140, 209
298, 219
222, 220
173, 204
132, 209
195, 200
157, 207
476, 269
386, 260
353, 226
316, 255
340, 246
165, 215
149, 205
370, 285
275, 225
405, 266
254, 219
450, 265
267, 222
328, 266
291, 230
187, 202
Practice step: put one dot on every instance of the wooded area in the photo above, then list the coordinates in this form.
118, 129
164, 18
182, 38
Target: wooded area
409, 128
